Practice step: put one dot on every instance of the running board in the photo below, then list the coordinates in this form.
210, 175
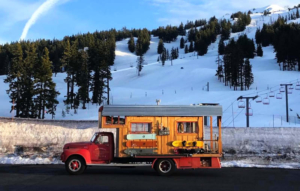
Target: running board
120, 165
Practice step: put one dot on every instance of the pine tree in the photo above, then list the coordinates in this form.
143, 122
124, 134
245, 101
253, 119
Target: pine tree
221, 47
186, 49
160, 47
168, 55
259, 51
30, 62
83, 78
66, 59
258, 36
181, 30
203, 47
163, 57
131, 44
297, 14
44, 87
174, 54
143, 42
248, 74
181, 43
14, 77
219, 71
191, 48
140, 60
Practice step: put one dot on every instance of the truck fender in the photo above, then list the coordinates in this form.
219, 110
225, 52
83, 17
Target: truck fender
153, 163
85, 154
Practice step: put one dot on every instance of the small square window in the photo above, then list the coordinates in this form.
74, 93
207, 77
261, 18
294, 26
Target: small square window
115, 119
141, 127
187, 127
108, 120
122, 120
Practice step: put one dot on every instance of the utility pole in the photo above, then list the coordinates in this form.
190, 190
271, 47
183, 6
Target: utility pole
247, 106
286, 100
208, 86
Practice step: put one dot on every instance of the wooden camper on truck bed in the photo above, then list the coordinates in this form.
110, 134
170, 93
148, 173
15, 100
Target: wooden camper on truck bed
160, 130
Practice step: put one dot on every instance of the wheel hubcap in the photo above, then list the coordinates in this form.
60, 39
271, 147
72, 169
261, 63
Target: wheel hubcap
74, 165
165, 166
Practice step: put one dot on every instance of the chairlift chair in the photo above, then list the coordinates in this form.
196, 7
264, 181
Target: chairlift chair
258, 99
241, 104
297, 86
291, 87
272, 94
279, 96
282, 89
290, 91
266, 101
250, 112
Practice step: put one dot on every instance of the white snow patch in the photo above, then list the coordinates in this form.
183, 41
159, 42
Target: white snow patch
21, 160
245, 164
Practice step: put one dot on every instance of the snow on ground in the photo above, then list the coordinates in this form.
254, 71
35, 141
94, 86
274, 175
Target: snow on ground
186, 86
14, 159
245, 164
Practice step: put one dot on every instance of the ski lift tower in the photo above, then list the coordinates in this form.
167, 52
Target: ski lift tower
247, 106
286, 100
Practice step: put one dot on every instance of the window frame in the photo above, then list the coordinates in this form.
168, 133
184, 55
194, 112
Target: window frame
141, 132
197, 127
112, 120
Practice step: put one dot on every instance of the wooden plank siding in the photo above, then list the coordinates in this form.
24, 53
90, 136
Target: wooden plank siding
164, 142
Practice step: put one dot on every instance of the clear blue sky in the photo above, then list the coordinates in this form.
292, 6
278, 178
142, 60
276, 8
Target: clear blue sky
67, 17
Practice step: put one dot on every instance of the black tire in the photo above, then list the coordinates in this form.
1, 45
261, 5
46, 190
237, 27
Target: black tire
165, 167
75, 165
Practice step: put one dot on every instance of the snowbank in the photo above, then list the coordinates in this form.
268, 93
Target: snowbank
42, 136
41, 142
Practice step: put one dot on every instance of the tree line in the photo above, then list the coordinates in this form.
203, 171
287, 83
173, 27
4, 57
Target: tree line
286, 41
31, 89
243, 19
86, 59
234, 67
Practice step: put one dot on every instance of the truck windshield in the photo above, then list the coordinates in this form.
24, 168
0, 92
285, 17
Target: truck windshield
94, 137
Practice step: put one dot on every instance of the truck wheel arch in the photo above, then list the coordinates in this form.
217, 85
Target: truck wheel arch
174, 161
77, 155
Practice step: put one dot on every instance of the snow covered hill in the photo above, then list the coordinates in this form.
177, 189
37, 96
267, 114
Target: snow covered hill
185, 82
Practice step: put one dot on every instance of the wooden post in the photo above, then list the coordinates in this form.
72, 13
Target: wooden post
220, 135
211, 133
201, 129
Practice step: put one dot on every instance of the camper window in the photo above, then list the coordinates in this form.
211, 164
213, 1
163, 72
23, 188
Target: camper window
187, 127
115, 120
108, 120
141, 127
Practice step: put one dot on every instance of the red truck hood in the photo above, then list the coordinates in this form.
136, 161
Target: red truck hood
77, 145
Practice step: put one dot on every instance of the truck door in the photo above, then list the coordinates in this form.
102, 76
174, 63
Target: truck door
101, 149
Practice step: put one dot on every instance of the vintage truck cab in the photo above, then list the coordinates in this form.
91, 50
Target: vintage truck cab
99, 150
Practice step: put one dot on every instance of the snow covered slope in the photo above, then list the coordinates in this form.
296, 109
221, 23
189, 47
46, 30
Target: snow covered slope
177, 86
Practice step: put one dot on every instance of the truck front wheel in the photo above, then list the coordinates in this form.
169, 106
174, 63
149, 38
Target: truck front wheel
75, 165
165, 167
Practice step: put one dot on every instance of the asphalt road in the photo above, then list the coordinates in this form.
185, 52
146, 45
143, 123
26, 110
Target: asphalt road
54, 177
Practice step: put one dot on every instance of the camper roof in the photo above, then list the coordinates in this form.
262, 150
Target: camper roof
163, 110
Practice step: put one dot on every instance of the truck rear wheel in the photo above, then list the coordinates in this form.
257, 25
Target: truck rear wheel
165, 167
75, 165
